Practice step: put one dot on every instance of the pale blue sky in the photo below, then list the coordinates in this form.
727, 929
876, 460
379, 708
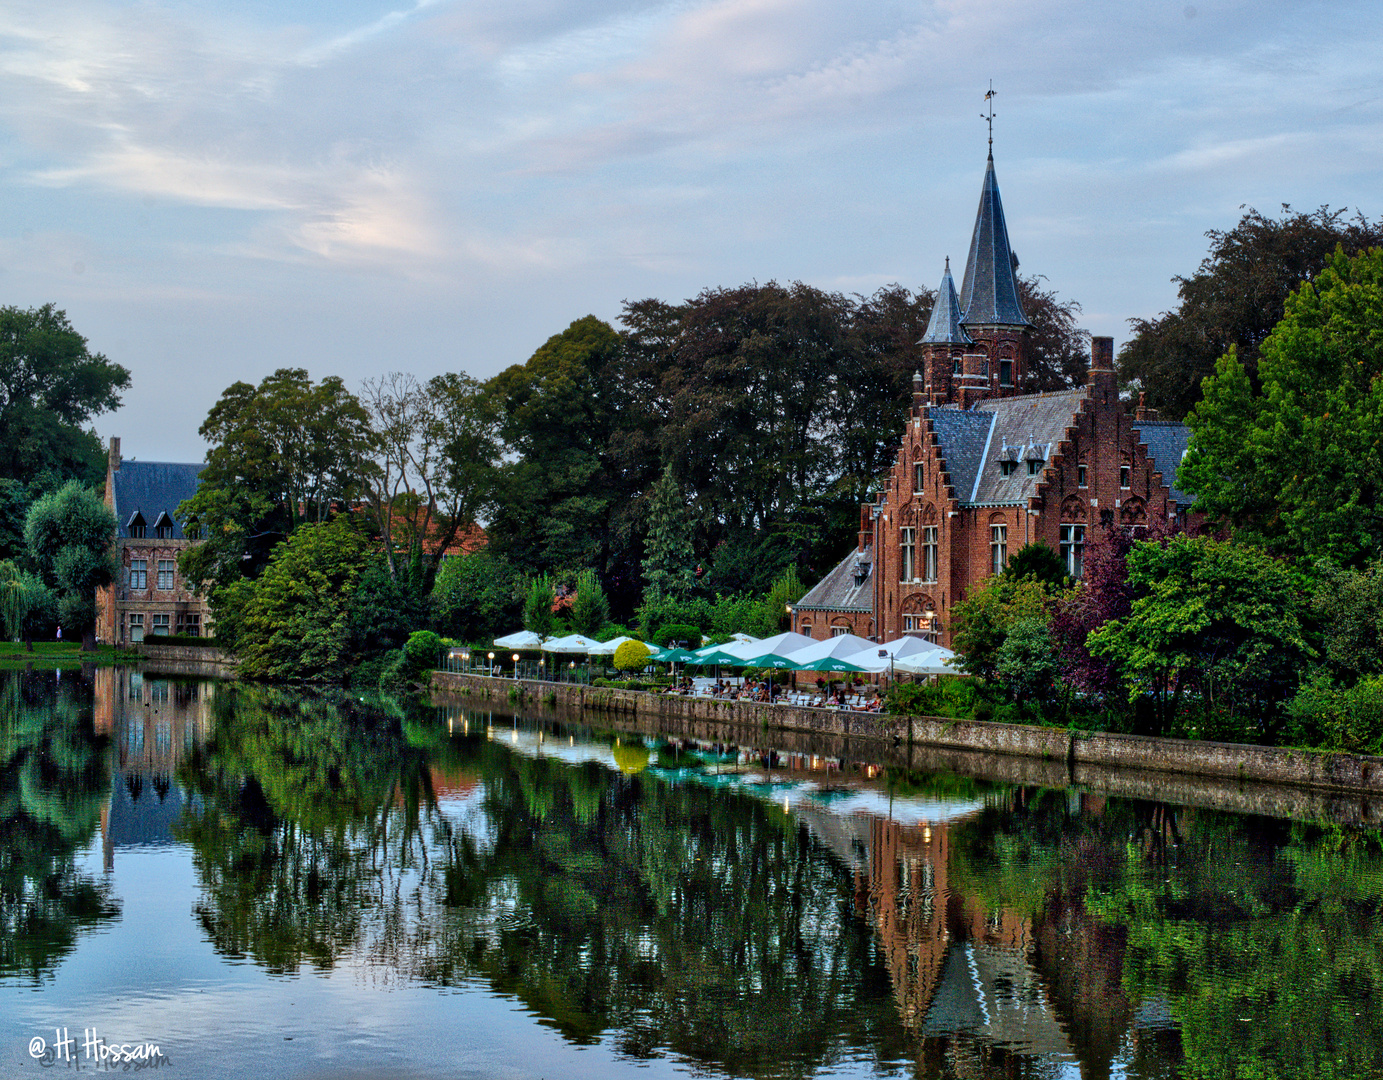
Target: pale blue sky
214, 190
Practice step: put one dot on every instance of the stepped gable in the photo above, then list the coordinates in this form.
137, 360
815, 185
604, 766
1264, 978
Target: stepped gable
1166, 441
989, 291
151, 489
1031, 428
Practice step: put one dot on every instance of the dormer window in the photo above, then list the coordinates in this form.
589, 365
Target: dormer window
1006, 468
1035, 466
163, 527
136, 526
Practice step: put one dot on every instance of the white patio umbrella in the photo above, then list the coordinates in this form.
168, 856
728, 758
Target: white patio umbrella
608, 648
841, 647
910, 648
787, 644
572, 643
523, 639
934, 663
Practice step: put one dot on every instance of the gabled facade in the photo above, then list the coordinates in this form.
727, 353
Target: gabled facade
985, 468
149, 597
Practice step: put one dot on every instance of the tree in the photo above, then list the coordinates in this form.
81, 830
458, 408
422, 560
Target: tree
631, 656
1038, 562
1218, 618
590, 609
981, 622
669, 558
51, 385
282, 452
537, 607
1027, 663
477, 596
296, 621
68, 533
1347, 605
1058, 349
434, 468
1299, 466
1234, 300
14, 601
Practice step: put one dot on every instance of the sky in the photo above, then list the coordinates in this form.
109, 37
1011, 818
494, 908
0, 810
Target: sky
213, 190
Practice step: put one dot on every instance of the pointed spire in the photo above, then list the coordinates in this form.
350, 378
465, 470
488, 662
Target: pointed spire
989, 294
944, 327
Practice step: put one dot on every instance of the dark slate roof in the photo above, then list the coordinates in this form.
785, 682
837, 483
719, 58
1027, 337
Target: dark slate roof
1166, 441
837, 591
944, 326
962, 436
989, 294
151, 488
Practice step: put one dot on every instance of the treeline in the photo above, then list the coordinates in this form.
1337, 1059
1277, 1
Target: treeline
691, 467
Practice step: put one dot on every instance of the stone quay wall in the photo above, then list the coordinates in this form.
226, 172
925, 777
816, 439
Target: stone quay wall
1074, 750
184, 660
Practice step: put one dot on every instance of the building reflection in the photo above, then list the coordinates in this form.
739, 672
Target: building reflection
153, 722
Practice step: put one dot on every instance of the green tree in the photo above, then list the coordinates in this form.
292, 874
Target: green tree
1039, 562
477, 596
282, 452
981, 621
14, 601
631, 656
1026, 664
1347, 605
69, 534
1218, 618
51, 386
537, 607
668, 564
296, 621
1299, 466
590, 608
1234, 300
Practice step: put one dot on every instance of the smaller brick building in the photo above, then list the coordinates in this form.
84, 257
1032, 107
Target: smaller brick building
149, 598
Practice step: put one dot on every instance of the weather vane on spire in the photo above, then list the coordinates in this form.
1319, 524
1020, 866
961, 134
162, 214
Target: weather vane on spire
989, 116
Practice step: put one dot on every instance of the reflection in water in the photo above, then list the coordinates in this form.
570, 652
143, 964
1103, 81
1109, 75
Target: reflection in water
749, 912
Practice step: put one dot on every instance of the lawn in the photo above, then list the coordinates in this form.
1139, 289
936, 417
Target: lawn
48, 655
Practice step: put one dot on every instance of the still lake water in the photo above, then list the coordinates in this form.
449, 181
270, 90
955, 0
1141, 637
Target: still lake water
266, 884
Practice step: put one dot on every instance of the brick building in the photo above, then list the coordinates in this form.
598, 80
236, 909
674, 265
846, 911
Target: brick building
149, 597
985, 468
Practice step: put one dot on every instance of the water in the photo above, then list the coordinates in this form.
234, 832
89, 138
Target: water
272, 885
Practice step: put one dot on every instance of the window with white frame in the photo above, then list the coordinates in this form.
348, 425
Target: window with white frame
839, 631
1005, 372
1073, 549
165, 574
929, 553
919, 476
998, 548
135, 629
1080, 475
1125, 475
160, 623
190, 623
139, 574
907, 546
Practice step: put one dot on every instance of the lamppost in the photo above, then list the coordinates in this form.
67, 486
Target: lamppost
516, 665
540, 668
466, 659
492, 665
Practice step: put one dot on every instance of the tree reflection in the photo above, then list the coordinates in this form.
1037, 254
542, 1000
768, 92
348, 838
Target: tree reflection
54, 781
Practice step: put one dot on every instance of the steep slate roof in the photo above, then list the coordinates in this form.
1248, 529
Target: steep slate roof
1018, 429
151, 488
837, 591
944, 326
961, 435
1166, 441
989, 295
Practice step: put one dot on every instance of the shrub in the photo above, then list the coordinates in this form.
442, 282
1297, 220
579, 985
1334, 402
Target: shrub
1326, 715
631, 656
684, 632
421, 650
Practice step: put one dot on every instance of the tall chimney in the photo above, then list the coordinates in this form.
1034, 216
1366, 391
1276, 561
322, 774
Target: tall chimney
917, 393
1104, 388
114, 456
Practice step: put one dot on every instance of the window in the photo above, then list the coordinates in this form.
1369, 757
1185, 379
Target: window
805, 629
908, 548
165, 574
929, 553
137, 531
1125, 475
839, 631
160, 624
919, 476
136, 633
1073, 549
1035, 466
1006, 467
1005, 372
956, 366
190, 623
139, 575
1080, 475
163, 532
998, 547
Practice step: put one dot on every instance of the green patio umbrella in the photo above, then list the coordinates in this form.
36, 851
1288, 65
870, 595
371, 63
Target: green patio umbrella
772, 660
678, 656
831, 663
719, 658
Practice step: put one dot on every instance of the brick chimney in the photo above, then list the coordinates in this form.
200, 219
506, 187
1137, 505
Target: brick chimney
113, 458
1143, 412
1103, 386
917, 393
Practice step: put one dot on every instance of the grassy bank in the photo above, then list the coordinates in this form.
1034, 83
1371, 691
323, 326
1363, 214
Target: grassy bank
48, 655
